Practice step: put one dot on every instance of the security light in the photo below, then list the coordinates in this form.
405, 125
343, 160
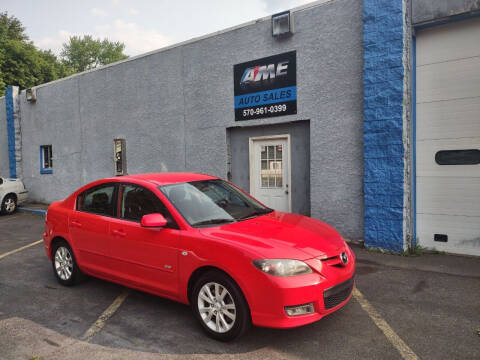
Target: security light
31, 95
282, 24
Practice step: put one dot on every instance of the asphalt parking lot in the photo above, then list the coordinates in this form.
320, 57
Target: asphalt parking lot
425, 307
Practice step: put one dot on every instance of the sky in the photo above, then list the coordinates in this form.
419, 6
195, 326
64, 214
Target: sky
140, 24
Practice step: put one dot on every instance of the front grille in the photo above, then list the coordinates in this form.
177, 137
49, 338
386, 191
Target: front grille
337, 294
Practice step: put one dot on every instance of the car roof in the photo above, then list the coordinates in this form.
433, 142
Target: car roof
166, 178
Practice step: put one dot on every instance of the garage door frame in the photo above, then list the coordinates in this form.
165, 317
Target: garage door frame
417, 28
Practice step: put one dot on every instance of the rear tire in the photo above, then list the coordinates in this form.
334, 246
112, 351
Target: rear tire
220, 307
64, 264
9, 204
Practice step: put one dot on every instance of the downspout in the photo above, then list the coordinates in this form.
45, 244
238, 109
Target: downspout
408, 215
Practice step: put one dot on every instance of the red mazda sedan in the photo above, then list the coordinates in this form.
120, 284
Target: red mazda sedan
202, 241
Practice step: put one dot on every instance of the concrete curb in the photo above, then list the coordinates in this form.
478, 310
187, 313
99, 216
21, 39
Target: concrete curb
354, 242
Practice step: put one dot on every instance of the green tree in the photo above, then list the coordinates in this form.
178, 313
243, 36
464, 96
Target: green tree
12, 28
21, 63
85, 53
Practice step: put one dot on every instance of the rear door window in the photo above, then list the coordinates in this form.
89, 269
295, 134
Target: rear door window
98, 200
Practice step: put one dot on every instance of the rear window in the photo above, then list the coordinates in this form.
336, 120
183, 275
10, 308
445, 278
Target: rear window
97, 200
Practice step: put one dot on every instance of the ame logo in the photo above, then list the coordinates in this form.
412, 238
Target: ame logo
264, 72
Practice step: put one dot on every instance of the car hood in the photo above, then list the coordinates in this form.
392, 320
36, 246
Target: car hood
281, 235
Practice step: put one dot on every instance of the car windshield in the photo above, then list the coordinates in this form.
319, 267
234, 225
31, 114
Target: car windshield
212, 202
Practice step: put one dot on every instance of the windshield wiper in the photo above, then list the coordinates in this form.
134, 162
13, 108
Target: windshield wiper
256, 213
213, 221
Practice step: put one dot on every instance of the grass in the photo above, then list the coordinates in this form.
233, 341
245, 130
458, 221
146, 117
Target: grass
419, 251
416, 251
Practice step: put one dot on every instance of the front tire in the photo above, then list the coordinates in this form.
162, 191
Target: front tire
220, 306
64, 264
9, 204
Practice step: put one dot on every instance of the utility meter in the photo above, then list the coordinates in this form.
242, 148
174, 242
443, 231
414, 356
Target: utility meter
120, 156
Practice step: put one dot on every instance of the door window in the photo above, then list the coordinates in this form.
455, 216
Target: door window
271, 167
98, 200
138, 201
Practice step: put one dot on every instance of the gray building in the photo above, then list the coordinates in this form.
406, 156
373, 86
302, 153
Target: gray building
345, 115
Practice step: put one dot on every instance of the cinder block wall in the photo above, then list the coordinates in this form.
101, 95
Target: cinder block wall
4, 170
383, 79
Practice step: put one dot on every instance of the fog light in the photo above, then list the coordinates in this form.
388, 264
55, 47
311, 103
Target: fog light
299, 309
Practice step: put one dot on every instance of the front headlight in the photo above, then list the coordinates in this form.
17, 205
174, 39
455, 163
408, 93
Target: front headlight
282, 267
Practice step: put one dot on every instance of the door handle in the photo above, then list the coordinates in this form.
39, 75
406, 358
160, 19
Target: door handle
76, 224
119, 233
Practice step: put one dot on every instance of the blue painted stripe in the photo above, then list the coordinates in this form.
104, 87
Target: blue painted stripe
11, 132
33, 211
266, 97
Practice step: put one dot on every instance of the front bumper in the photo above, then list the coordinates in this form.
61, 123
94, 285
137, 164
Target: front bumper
329, 288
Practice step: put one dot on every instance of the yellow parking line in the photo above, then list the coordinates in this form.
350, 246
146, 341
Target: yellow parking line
394, 339
20, 249
107, 314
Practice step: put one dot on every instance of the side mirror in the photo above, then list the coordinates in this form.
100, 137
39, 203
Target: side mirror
153, 220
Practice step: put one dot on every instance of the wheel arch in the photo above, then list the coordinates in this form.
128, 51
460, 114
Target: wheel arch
206, 268
12, 194
56, 240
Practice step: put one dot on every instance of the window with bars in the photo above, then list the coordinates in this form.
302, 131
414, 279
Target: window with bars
46, 163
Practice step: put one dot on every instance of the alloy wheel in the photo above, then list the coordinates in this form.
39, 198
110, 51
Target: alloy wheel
63, 263
10, 205
216, 307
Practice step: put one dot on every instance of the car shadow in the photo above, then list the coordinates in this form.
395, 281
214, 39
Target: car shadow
150, 323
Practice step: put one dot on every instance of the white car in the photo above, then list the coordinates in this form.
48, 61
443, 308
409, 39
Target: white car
12, 194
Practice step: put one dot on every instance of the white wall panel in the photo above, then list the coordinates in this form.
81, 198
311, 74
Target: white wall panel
426, 150
448, 195
463, 233
448, 118
449, 42
456, 79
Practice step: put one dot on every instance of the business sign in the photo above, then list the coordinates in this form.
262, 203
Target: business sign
266, 87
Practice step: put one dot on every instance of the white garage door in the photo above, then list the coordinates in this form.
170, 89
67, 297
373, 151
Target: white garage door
448, 118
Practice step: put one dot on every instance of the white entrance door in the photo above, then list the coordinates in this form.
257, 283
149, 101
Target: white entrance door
270, 171
448, 137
